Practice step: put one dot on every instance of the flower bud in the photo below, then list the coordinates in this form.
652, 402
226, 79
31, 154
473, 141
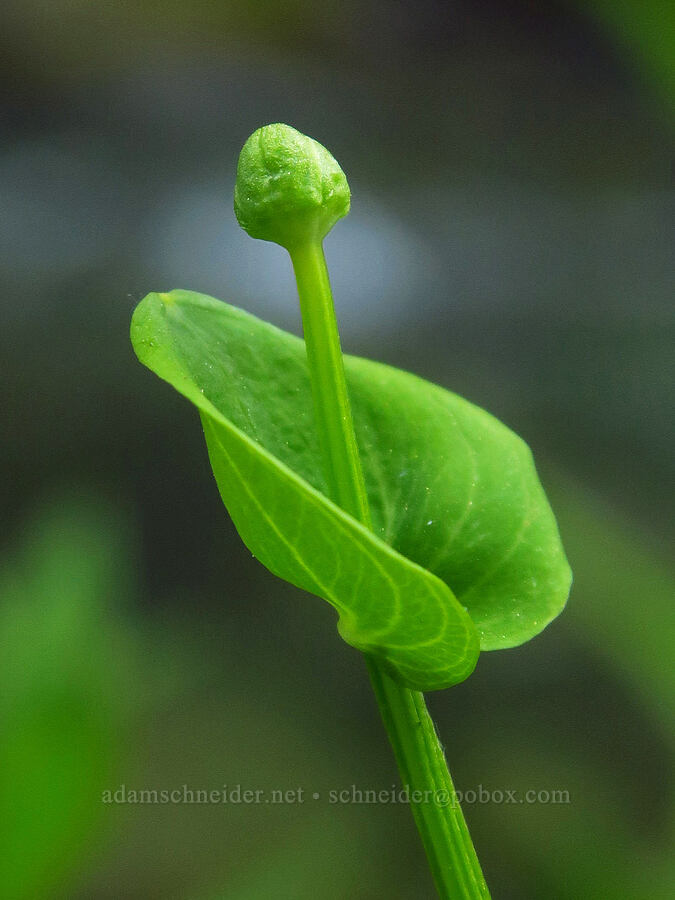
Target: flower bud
289, 188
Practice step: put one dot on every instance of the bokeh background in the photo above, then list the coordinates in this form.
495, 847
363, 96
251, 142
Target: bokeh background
511, 238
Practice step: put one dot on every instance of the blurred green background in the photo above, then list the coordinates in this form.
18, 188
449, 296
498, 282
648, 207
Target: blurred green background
510, 238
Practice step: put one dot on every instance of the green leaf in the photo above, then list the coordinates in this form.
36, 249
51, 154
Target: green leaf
458, 511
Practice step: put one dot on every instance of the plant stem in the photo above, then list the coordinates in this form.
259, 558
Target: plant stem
418, 753
337, 441
424, 772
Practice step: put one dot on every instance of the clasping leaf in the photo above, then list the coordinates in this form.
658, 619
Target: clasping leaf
464, 554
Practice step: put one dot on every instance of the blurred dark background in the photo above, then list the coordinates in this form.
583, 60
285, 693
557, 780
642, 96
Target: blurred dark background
511, 237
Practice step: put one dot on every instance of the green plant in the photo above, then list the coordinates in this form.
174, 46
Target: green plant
418, 516
66, 674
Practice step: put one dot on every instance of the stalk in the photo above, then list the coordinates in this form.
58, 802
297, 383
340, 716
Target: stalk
419, 755
291, 191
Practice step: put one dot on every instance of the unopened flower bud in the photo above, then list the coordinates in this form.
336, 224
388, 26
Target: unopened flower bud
289, 188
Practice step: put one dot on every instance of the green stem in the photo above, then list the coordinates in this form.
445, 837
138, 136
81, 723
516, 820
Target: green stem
424, 772
419, 755
332, 411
